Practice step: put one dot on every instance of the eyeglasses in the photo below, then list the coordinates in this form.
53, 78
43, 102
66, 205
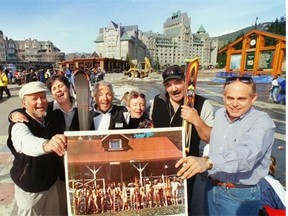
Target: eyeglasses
172, 71
243, 79
136, 95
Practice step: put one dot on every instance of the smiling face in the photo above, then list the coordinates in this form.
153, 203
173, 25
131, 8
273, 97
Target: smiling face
238, 98
36, 105
175, 89
103, 98
60, 92
137, 105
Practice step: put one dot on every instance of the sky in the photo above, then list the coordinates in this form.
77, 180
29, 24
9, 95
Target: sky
73, 25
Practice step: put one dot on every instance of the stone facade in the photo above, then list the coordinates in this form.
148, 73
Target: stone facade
116, 41
205, 48
173, 46
28, 52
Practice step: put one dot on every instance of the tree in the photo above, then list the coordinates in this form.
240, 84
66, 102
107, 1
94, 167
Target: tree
157, 64
277, 27
221, 59
128, 62
238, 46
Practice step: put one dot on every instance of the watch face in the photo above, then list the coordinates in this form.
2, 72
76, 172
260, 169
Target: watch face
252, 42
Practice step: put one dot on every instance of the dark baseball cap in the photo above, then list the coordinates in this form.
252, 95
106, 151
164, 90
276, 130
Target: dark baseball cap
173, 72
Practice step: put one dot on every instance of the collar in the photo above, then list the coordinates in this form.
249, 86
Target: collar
239, 118
100, 112
39, 122
57, 106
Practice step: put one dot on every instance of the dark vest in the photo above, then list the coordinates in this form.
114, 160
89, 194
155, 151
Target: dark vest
55, 124
33, 174
55, 121
162, 116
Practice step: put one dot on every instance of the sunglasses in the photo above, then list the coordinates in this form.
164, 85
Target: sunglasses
243, 79
172, 71
136, 95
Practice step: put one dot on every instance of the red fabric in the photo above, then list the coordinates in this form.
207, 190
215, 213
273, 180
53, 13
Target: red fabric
274, 212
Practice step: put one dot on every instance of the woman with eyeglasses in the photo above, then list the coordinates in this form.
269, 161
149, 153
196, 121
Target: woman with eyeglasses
136, 116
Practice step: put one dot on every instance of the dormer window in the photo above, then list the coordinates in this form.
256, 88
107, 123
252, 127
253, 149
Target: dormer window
115, 145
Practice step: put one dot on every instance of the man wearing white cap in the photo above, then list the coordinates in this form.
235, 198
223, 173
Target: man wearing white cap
36, 162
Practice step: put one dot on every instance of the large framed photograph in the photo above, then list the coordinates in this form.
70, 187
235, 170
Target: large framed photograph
125, 172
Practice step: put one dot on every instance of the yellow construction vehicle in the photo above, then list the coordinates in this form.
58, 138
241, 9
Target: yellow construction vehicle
139, 69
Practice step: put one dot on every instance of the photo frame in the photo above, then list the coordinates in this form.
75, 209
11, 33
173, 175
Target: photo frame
125, 172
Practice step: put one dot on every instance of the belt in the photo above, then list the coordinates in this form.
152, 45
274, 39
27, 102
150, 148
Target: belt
228, 184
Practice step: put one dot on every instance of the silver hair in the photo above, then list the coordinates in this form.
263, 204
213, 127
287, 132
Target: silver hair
102, 83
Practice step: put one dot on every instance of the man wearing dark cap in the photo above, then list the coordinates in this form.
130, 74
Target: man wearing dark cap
36, 158
168, 110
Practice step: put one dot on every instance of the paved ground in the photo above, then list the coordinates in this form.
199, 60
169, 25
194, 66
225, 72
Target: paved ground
7, 202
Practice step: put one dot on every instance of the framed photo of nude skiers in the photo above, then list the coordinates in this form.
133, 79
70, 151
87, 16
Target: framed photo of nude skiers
125, 172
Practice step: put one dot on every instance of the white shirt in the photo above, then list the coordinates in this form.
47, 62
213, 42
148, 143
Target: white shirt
207, 113
278, 188
275, 82
68, 116
102, 121
25, 142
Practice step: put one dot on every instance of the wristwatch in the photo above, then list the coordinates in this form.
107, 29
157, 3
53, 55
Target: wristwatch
209, 163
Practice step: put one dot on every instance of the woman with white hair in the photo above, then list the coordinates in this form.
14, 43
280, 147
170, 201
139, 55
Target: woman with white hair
136, 117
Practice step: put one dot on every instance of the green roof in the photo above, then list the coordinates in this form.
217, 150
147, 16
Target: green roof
99, 39
201, 29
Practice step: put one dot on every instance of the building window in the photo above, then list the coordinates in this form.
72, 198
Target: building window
115, 145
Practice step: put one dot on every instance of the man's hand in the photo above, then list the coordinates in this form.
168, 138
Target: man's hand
57, 144
190, 114
191, 166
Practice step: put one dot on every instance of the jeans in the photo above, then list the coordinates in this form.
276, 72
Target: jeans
2, 89
275, 92
231, 201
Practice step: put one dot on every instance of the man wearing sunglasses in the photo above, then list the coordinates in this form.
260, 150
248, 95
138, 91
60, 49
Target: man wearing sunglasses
167, 110
240, 148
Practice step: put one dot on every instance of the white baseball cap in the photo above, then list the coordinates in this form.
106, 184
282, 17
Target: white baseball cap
32, 87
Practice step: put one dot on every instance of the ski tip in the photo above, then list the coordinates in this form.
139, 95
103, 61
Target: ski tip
191, 59
81, 72
78, 72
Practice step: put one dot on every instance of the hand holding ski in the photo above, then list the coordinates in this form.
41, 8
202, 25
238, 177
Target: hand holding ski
189, 95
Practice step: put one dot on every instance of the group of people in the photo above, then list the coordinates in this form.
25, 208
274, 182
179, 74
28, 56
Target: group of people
161, 191
240, 138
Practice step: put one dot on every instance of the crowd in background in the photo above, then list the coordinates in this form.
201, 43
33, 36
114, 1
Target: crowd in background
25, 76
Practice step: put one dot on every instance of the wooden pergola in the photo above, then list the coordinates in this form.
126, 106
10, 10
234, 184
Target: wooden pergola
250, 53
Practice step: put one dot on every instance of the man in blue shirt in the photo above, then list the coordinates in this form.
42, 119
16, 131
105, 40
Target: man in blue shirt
240, 148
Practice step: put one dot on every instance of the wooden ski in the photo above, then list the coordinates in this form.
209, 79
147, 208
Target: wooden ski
82, 98
189, 95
